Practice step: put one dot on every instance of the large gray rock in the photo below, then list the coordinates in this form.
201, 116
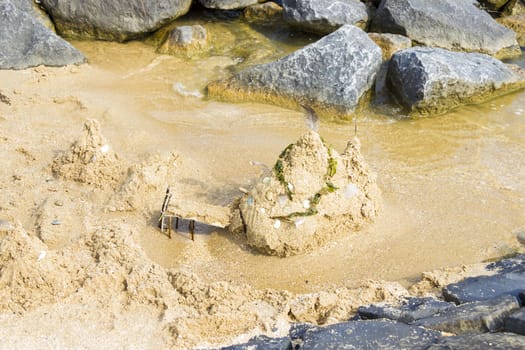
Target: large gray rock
486, 341
263, 343
374, 334
476, 317
118, 20
227, 4
331, 75
26, 42
413, 309
515, 323
431, 80
325, 16
451, 24
485, 287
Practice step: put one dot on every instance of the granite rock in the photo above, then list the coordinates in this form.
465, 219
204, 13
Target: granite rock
331, 75
492, 341
450, 24
413, 309
325, 16
474, 317
515, 323
263, 343
26, 42
117, 20
372, 334
227, 4
431, 80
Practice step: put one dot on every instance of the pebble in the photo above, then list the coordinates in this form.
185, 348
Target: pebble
5, 226
299, 222
277, 224
520, 235
59, 203
55, 222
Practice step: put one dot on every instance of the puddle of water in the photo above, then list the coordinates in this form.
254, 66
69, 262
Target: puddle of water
454, 185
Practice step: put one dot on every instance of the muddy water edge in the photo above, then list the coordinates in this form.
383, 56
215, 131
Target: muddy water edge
453, 185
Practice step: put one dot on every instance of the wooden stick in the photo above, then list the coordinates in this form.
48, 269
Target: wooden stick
192, 229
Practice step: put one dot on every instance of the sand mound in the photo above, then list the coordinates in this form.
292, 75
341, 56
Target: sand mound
104, 265
31, 276
90, 160
145, 183
312, 195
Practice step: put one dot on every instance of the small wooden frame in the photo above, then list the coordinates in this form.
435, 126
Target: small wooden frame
211, 215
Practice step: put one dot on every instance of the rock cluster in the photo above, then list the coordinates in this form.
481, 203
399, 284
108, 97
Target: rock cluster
312, 194
477, 313
334, 75
328, 74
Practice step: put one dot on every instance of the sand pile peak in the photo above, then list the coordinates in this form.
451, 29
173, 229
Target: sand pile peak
145, 183
90, 159
312, 195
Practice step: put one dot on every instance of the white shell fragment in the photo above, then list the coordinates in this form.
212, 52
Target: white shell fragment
299, 222
42, 255
277, 224
283, 200
104, 149
306, 204
290, 186
351, 190
262, 210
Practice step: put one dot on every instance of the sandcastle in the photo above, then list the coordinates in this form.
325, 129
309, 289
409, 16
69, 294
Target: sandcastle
90, 160
312, 195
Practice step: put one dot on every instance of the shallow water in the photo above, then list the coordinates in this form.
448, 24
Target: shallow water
454, 185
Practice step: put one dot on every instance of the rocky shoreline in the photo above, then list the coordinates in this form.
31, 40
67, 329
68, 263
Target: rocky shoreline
333, 75
479, 312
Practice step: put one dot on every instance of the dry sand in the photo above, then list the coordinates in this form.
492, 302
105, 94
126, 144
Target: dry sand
83, 265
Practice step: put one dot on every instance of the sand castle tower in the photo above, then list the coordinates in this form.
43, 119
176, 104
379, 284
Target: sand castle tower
312, 195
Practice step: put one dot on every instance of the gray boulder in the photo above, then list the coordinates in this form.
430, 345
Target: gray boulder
475, 317
492, 341
431, 80
485, 287
325, 16
411, 310
263, 343
451, 24
227, 4
515, 323
26, 42
118, 20
373, 334
332, 75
